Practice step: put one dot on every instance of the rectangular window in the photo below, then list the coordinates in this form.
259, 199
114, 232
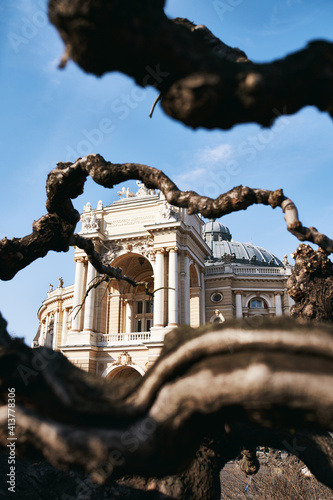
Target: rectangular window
139, 307
139, 325
148, 325
148, 307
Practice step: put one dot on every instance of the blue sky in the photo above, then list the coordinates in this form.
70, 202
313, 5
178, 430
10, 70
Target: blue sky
50, 115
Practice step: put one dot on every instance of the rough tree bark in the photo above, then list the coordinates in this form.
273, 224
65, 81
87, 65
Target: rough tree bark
203, 82
213, 392
311, 285
55, 230
67, 182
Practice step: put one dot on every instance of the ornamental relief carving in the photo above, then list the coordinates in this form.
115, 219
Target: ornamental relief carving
112, 253
90, 224
123, 359
143, 246
132, 221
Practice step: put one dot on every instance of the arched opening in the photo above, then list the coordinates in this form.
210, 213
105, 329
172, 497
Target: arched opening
217, 317
194, 297
257, 303
124, 373
130, 309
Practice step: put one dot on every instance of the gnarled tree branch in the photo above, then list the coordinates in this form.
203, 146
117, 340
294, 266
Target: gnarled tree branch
204, 381
55, 230
203, 82
311, 285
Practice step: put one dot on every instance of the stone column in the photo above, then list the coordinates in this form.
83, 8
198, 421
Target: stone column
44, 330
129, 316
158, 283
77, 298
173, 287
64, 326
239, 307
121, 315
113, 314
89, 306
55, 330
187, 297
278, 303
47, 325
202, 298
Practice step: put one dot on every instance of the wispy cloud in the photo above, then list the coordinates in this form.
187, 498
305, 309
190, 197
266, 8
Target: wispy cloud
214, 155
207, 170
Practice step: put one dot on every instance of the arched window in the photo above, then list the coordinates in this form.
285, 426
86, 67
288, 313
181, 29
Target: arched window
257, 304
217, 317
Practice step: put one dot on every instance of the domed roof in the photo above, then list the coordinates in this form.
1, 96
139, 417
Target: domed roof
216, 228
219, 238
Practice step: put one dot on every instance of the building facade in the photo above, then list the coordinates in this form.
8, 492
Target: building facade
198, 274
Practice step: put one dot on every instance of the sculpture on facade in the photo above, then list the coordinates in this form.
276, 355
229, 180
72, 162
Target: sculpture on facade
169, 213
89, 221
285, 261
126, 193
112, 252
143, 190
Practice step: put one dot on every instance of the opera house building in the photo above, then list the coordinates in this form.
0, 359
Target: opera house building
198, 272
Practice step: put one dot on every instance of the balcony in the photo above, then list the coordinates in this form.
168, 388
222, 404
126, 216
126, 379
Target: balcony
258, 270
215, 270
117, 339
245, 270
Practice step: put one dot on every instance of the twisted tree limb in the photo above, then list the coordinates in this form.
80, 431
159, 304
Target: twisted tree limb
55, 231
249, 463
232, 386
204, 382
203, 82
311, 285
95, 259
